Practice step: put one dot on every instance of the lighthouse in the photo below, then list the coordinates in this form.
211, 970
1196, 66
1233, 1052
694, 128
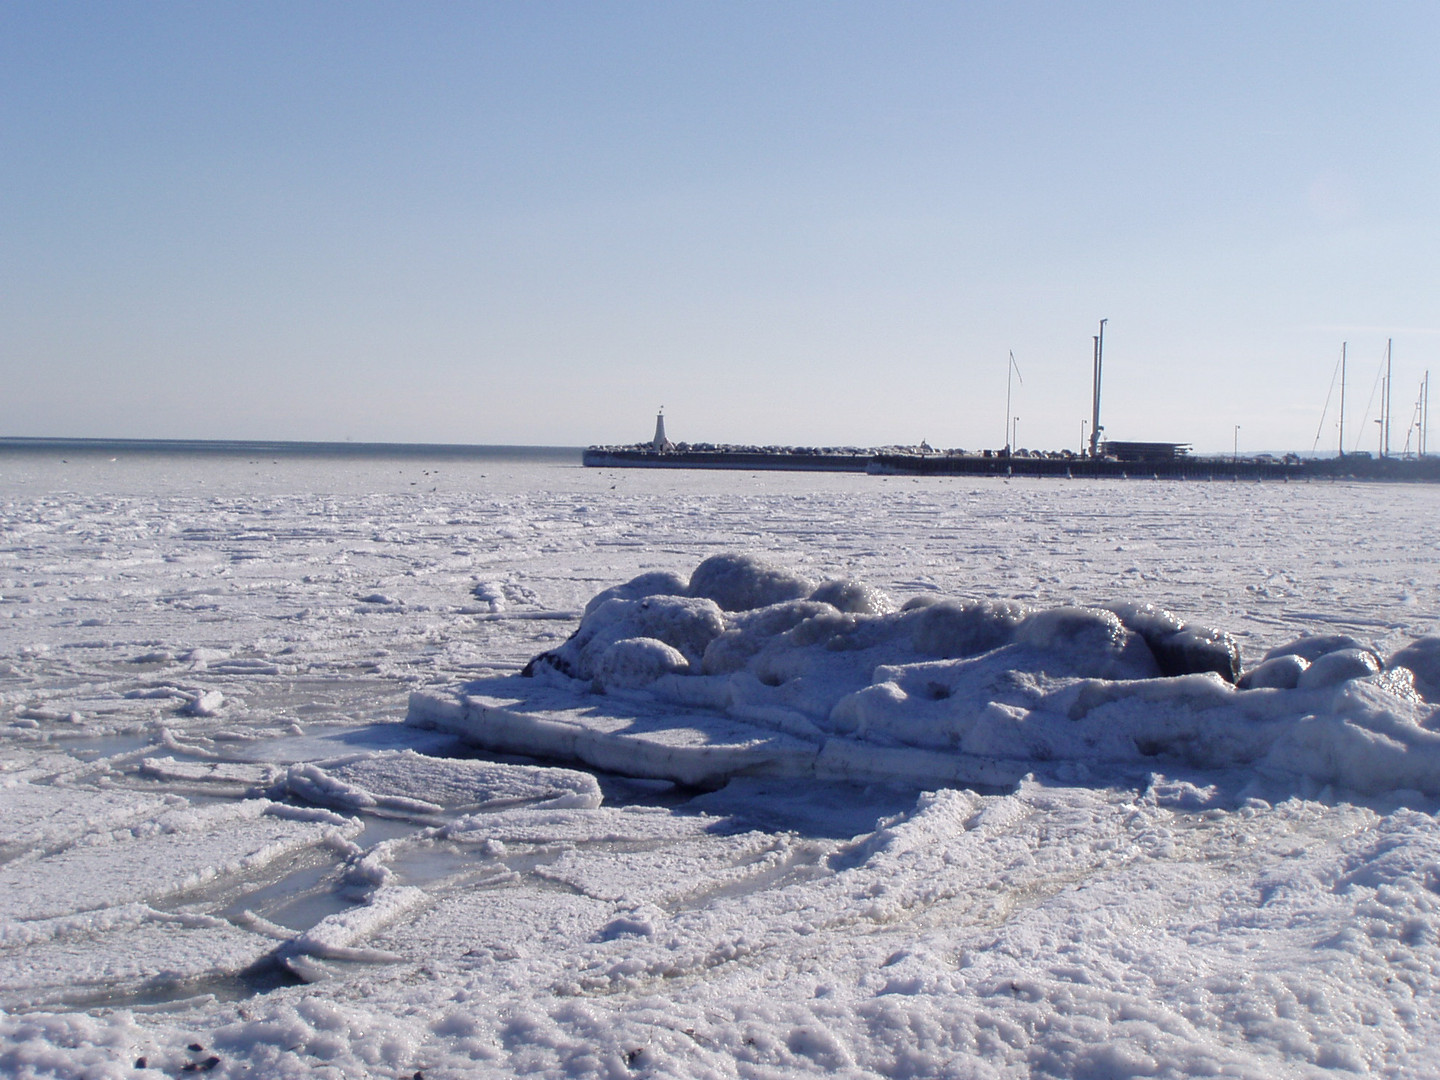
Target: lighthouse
661, 443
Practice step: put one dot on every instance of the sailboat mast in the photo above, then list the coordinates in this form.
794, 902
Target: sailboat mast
1008, 367
1342, 397
1384, 451
1424, 415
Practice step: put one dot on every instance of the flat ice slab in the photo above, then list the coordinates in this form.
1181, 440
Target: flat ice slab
634, 735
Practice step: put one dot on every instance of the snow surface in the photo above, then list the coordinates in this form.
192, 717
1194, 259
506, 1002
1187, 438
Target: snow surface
947, 803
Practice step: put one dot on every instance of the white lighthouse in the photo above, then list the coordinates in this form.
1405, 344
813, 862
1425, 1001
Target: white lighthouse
661, 443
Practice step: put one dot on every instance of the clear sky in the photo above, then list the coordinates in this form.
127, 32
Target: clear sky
785, 222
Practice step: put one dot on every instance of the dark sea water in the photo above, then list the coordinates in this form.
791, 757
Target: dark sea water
69, 468
274, 448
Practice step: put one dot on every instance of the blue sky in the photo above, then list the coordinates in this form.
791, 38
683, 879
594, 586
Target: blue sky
785, 222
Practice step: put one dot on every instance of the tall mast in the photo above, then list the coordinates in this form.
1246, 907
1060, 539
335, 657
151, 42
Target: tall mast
1094, 387
1342, 397
1009, 431
1424, 415
1008, 449
1095, 410
1385, 451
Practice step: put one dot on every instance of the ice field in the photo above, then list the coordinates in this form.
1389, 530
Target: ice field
247, 827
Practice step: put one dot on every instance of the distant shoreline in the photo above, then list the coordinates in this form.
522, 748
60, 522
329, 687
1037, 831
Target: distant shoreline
288, 448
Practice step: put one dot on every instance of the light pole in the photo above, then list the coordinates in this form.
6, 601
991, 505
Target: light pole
1015, 435
1235, 453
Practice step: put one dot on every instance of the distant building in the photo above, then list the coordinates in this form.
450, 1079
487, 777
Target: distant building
1145, 451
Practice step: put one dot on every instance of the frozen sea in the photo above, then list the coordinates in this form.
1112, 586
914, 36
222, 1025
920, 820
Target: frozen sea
224, 850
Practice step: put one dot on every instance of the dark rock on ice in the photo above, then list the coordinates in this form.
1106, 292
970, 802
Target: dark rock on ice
1195, 650
1181, 649
548, 661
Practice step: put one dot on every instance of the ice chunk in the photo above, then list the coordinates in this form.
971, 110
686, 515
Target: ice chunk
703, 753
741, 582
408, 781
853, 596
181, 850
135, 949
1313, 646
1147, 620
1422, 657
1365, 739
43, 816
1073, 685
685, 624
1277, 673
949, 628
341, 936
238, 777
655, 583
750, 631
632, 663
924, 600
206, 703
1333, 668
1086, 641
492, 593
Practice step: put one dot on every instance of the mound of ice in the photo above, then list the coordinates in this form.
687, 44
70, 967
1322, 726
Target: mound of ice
743, 582
1422, 658
836, 668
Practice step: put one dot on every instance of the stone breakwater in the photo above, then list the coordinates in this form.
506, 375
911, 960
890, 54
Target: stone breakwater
903, 462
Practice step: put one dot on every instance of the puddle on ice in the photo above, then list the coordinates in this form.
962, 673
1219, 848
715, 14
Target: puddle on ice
379, 829
92, 748
297, 901
818, 810
427, 865
334, 742
164, 995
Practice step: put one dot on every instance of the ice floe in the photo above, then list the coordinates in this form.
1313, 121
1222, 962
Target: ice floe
407, 782
750, 669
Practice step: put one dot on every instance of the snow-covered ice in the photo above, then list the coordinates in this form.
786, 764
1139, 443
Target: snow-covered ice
965, 690
811, 773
